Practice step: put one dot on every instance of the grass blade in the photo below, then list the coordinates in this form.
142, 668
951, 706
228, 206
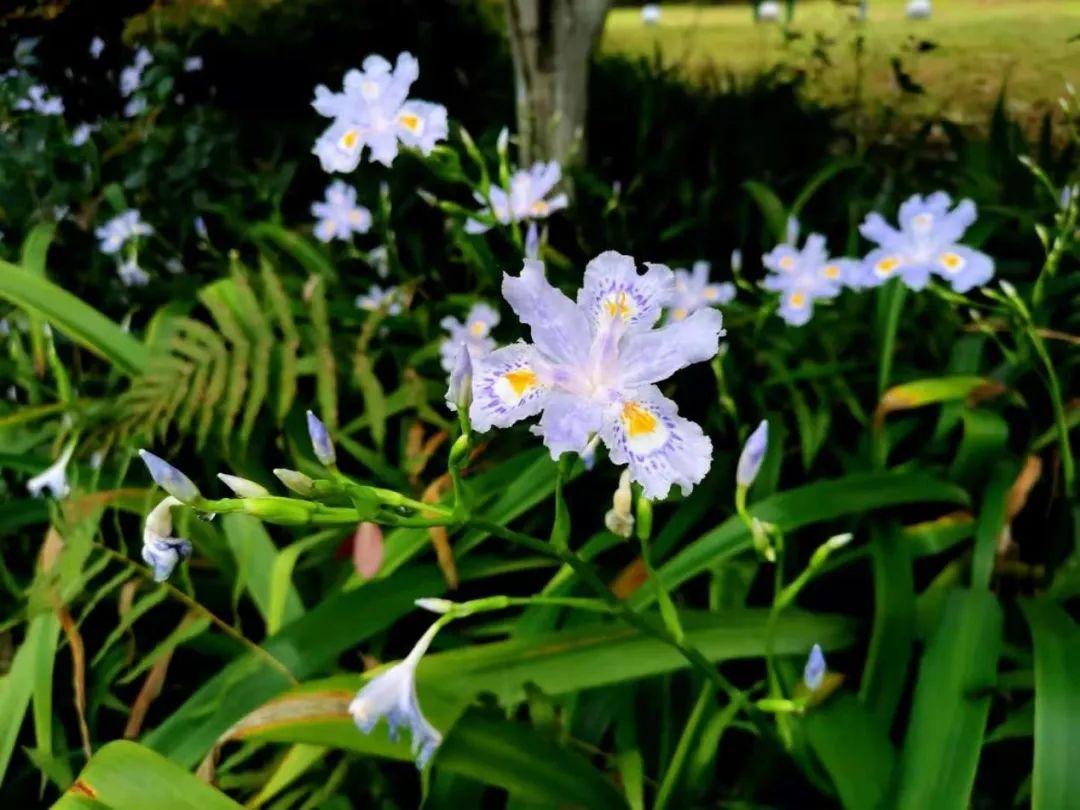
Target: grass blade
1056, 779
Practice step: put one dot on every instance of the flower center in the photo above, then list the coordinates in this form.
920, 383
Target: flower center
619, 306
478, 329
831, 271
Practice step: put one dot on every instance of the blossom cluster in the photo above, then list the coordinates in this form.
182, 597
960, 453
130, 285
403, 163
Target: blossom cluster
926, 244
374, 111
528, 198
123, 229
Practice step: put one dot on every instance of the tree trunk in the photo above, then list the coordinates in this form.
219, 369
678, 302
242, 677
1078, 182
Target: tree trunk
552, 42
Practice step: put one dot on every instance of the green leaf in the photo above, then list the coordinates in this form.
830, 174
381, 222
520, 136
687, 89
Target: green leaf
518, 759
1056, 779
951, 704
932, 391
772, 208
814, 503
885, 676
256, 561
308, 256
17, 686
673, 776
73, 317
861, 776
126, 776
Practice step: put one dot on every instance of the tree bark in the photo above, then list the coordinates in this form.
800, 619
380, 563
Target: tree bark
552, 42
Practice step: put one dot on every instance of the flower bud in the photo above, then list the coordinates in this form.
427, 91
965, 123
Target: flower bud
822, 552
753, 453
296, 481
814, 671
320, 440
459, 392
242, 487
736, 261
759, 534
619, 519
434, 605
169, 478
532, 242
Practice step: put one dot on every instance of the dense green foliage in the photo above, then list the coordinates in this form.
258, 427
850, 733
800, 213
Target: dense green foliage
938, 429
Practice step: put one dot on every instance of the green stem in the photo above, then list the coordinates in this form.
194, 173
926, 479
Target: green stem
892, 302
621, 609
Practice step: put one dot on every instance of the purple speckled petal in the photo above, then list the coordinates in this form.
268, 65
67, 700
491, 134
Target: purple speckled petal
614, 293
508, 385
661, 448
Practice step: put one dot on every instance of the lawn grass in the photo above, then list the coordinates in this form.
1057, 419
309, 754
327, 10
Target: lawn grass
980, 45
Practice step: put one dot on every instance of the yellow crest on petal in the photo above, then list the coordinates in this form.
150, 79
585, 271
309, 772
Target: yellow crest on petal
953, 262
638, 420
350, 138
887, 265
520, 380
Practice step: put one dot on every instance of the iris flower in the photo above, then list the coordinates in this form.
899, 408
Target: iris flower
693, 291
116, 233
339, 216
54, 477
392, 695
926, 244
592, 369
474, 333
160, 550
527, 198
373, 110
804, 276
131, 275
379, 299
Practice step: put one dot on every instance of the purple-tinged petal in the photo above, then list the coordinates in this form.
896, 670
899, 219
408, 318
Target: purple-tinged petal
796, 307
653, 356
661, 449
559, 328
568, 423
964, 268
876, 229
613, 292
753, 453
508, 386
